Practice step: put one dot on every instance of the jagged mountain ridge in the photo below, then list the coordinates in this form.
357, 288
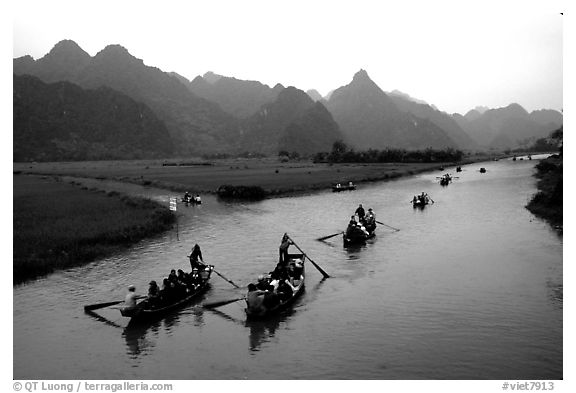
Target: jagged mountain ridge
369, 118
508, 127
195, 124
294, 122
441, 119
237, 97
61, 121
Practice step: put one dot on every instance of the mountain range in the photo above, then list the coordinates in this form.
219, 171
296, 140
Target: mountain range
62, 121
508, 127
220, 114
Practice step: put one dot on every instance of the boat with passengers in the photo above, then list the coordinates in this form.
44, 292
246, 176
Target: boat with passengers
279, 289
151, 308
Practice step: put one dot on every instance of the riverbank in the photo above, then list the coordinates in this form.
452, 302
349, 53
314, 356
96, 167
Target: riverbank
59, 225
274, 177
547, 202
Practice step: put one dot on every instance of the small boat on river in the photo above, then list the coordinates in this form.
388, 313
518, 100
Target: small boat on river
445, 180
420, 201
346, 187
151, 309
358, 234
458, 169
191, 200
482, 170
269, 297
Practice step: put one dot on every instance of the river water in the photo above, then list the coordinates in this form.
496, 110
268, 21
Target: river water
469, 288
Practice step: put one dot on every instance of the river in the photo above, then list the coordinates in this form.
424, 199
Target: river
471, 287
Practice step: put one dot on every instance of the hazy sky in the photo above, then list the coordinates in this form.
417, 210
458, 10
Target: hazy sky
453, 54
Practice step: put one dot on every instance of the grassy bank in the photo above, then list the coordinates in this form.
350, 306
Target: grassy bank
273, 176
59, 225
547, 202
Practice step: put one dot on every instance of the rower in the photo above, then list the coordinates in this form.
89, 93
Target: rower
283, 249
131, 297
195, 257
360, 212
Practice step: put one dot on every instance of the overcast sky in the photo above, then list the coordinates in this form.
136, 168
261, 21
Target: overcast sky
453, 54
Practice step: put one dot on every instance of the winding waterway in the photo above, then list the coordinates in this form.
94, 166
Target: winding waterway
469, 288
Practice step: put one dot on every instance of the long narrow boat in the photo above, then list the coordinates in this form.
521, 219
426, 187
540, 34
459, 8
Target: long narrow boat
150, 310
296, 275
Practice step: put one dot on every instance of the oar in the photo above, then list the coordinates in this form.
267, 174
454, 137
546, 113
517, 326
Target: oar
329, 236
214, 270
381, 223
101, 305
230, 281
222, 303
313, 263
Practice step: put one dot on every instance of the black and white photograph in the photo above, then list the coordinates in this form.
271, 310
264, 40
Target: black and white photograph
287, 191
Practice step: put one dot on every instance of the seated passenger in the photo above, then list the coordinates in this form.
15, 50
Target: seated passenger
153, 290
255, 298
262, 283
271, 299
172, 276
284, 290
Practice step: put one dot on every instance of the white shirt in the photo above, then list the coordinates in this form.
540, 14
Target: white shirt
130, 299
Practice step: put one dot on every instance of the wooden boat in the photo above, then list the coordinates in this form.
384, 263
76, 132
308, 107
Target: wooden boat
357, 236
444, 181
190, 200
458, 169
482, 170
296, 273
346, 187
419, 203
147, 310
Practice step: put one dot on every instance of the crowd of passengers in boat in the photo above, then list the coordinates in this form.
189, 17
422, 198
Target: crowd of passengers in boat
176, 286
279, 285
365, 225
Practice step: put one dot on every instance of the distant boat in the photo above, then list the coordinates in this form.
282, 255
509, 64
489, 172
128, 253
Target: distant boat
346, 187
482, 170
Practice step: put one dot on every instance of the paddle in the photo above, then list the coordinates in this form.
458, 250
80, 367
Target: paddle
214, 270
222, 303
381, 223
329, 236
101, 305
313, 263
230, 281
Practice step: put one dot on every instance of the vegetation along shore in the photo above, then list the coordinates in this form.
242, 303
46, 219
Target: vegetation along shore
547, 202
274, 176
59, 225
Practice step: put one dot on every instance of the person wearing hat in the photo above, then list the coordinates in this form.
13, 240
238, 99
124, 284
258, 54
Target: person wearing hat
131, 297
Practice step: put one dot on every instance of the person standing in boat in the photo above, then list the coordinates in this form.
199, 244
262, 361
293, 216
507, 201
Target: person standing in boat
196, 260
360, 212
283, 250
